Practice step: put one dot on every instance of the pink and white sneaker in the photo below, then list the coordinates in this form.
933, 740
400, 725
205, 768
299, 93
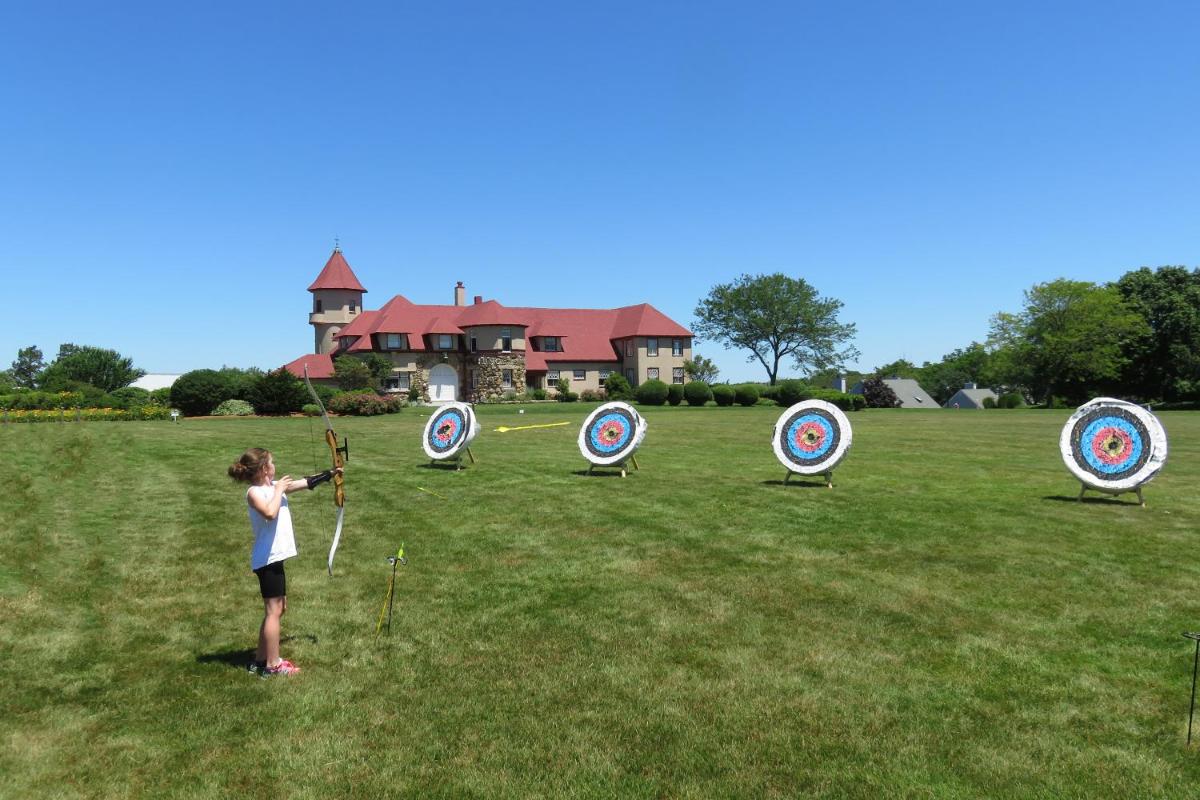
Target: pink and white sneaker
284, 667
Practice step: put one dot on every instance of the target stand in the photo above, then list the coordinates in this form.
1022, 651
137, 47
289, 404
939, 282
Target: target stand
811, 438
1113, 447
611, 435
449, 433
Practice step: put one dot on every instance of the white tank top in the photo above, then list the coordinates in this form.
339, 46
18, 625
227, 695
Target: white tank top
273, 538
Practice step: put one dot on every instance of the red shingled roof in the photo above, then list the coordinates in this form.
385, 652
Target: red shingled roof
319, 366
337, 275
585, 334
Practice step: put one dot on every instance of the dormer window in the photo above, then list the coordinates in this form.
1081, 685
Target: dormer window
395, 341
551, 344
445, 341
506, 340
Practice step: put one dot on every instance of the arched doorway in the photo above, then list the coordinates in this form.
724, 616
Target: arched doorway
443, 384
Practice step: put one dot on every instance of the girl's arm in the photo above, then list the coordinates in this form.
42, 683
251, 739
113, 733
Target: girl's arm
269, 508
313, 481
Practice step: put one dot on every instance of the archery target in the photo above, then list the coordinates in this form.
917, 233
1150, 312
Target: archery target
611, 434
1112, 445
449, 430
811, 437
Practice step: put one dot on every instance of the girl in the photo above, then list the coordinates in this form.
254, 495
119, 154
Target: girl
271, 522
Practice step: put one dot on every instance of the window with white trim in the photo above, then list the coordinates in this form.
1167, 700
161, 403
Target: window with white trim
579, 375
404, 380
677, 347
551, 377
651, 373
604, 373
506, 340
652, 347
506, 378
677, 375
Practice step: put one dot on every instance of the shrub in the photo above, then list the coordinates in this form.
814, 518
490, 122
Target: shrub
537, 394
233, 408
769, 392
161, 397
129, 397
310, 410
745, 395
675, 394
1015, 400
860, 402
568, 397
723, 394
510, 394
197, 392
591, 395
790, 392
989, 402
840, 399
562, 385
364, 404
617, 388
278, 392
879, 394
652, 393
697, 393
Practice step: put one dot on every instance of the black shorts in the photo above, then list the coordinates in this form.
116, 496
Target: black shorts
271, 580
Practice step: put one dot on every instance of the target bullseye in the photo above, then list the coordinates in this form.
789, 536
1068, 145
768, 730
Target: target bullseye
1113, 446
811, 438
449, 430
611, 434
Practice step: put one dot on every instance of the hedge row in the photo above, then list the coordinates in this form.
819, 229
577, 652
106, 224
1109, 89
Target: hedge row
87, 414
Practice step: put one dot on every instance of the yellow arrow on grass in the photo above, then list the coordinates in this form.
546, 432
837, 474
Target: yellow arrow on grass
426, 491
504, 429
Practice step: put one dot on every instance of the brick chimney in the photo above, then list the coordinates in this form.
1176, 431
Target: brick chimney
478, 299
460, 294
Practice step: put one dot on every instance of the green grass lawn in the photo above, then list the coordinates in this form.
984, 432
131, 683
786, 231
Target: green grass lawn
946, 622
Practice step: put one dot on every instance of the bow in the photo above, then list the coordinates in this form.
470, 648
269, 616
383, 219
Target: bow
340, 456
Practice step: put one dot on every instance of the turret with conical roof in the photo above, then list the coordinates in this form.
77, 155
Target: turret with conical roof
337, 300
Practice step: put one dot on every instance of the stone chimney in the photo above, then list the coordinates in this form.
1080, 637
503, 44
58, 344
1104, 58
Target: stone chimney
460, 294
478, 299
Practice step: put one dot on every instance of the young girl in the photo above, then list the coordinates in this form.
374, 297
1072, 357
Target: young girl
271, 522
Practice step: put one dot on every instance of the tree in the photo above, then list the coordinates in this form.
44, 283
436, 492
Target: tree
879, 395
774, 317
28, 367
278, 392
7, 384
900, 368
700, 369
1164, 362
104, 369
198, 392
351, 373
1069, 341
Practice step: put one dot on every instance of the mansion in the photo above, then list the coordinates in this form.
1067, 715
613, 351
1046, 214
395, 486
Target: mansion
482, 350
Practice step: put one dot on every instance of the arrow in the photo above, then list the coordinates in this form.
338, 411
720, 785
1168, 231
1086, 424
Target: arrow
426, 491
504, 429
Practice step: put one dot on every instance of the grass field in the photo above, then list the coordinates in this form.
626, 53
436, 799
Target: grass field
946, 622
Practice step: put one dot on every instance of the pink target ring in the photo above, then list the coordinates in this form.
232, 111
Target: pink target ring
1112, 445
809, 437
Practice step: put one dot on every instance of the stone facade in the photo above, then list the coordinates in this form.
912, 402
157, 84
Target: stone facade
489, 376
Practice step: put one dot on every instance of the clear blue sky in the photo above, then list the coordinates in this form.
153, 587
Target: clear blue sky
173, 175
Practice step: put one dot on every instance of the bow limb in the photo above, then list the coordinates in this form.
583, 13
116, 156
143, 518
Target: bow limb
336, 455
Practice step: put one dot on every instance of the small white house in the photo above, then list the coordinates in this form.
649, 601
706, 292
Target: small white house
155, 380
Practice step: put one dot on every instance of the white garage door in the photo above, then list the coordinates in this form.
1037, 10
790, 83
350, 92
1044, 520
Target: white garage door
443, 384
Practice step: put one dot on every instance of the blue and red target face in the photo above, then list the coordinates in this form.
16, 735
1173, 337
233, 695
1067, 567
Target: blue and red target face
447, 430
810, 437
610, 433
1110, 443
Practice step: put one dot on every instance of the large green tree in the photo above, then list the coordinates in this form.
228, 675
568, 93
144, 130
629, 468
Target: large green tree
776, 317
1164, 362
104, 369
28, 367
701, 369
965, 365
1069, 341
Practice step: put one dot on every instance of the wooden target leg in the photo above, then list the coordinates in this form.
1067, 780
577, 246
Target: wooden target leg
829, 480
635, 464
1082, 489
1141, 499
787, 478
622, 469
470, 456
